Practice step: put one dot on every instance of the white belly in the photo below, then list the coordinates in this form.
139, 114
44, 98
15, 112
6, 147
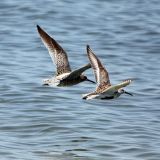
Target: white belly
62, 76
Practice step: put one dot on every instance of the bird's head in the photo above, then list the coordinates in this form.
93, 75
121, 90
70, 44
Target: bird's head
122, 91
84, 78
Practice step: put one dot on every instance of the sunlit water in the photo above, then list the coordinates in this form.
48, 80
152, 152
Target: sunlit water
44, 123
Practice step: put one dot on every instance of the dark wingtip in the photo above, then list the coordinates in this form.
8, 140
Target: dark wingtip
38, 28
88, 65
88, 47
45, 84
42, 33
85, 97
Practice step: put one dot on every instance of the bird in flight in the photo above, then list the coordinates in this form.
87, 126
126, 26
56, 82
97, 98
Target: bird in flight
104, 89
64, 76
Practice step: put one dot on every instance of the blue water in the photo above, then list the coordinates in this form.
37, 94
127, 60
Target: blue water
44, 123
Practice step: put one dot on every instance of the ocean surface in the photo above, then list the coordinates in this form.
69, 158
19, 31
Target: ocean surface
44, 123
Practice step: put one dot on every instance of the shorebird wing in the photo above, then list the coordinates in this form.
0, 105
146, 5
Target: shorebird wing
76, 73
114, 88
123, 84
101, 74
58, 55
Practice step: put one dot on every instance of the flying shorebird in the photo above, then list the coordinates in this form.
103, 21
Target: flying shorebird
64, 75
104, 88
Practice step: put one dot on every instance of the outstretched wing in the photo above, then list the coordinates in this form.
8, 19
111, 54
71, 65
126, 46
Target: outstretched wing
58, 55
76, 73
114, 88
101, 74
123, 84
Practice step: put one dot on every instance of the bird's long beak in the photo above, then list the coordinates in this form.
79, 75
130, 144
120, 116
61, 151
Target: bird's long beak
90, 80
128, 93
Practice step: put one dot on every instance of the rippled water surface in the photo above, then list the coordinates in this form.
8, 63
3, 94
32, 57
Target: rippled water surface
44, 123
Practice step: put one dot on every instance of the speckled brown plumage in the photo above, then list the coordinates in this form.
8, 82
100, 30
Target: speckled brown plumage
57, 53
104, 89
64, 75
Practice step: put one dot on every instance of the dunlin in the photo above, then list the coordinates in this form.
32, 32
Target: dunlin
104, 89
64, 75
